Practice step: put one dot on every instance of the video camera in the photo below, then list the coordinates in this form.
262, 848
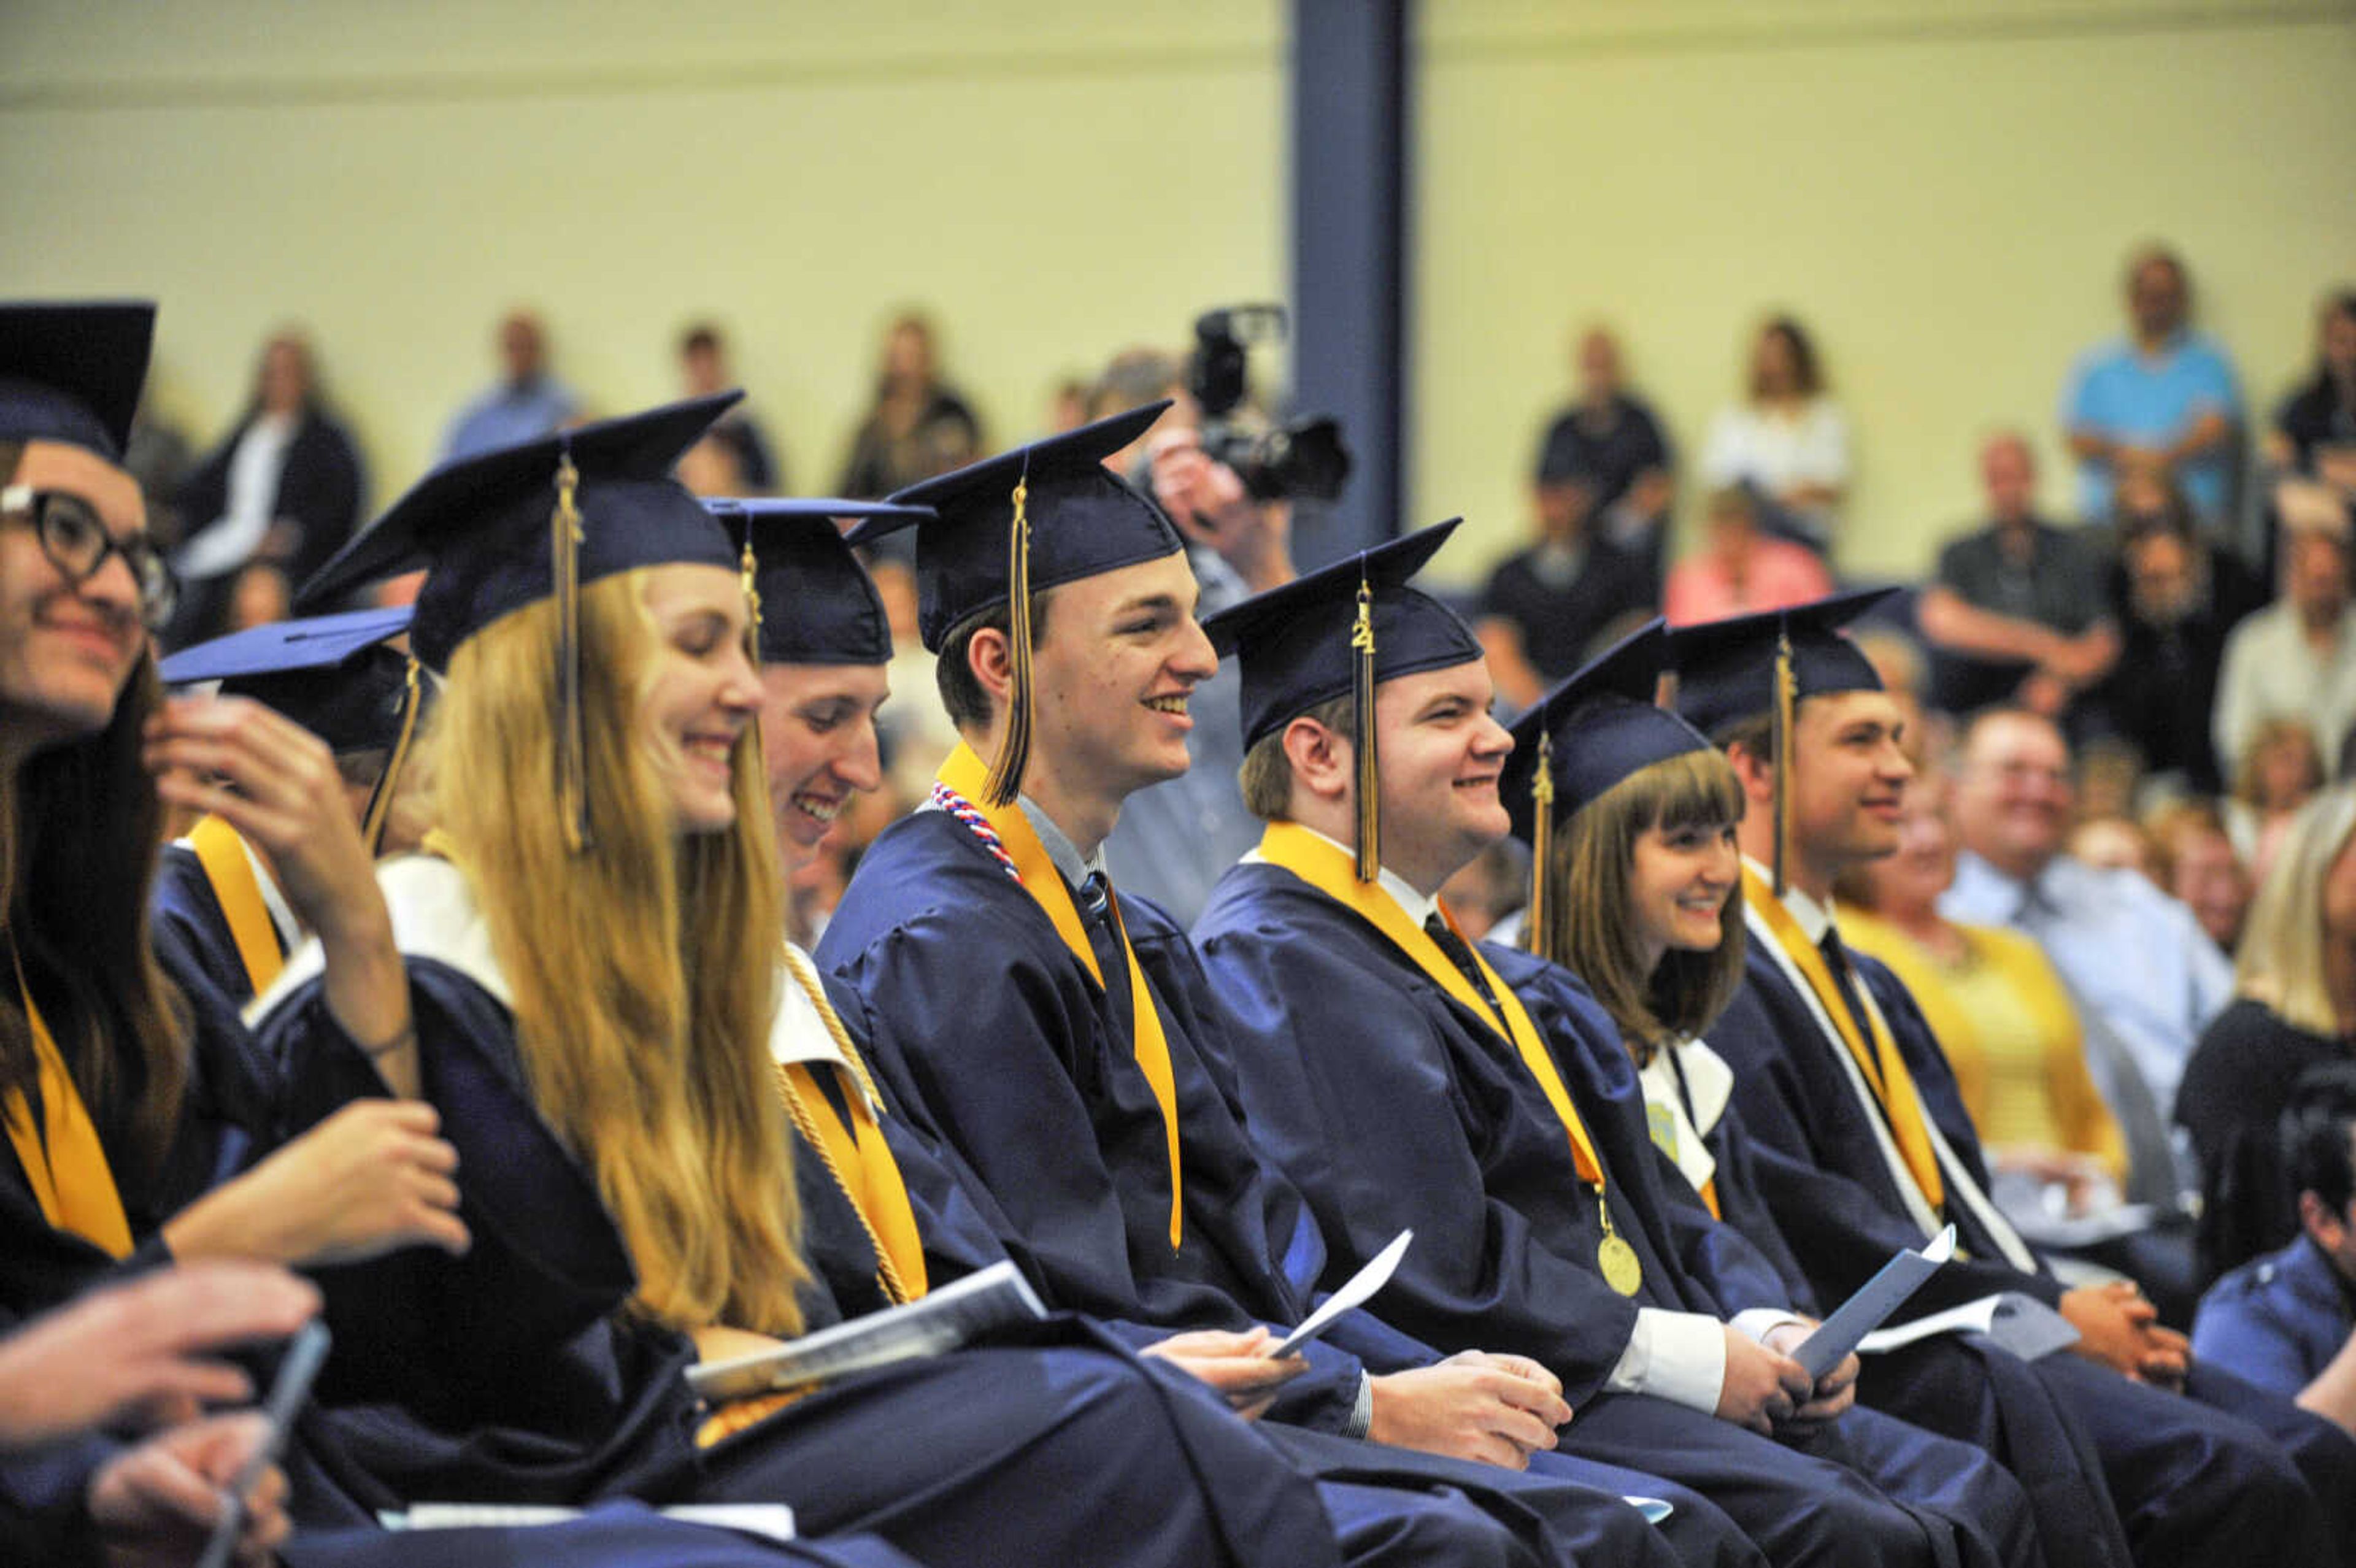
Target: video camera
1303, 458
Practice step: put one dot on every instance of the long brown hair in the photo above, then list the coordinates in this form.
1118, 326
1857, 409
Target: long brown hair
1588, 877
81, 832
645, 971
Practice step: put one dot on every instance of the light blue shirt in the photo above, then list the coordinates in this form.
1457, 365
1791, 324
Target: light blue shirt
507, 415
2126, 949
2118, 392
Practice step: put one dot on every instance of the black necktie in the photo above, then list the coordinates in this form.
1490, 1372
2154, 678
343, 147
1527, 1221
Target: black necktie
1845, 979
1094, 897
1461, 955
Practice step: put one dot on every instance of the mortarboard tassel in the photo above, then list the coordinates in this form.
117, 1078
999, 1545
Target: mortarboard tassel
748, 568
572, 743
380, 801
1541, 918
1780, 739
1362, 695
1005, 778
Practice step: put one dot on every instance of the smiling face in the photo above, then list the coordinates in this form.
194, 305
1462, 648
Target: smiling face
1848, 778
699, 691
817, 747
1678, 881
65, 648
2014, 800
1440, 754
1908, 884
1109, 682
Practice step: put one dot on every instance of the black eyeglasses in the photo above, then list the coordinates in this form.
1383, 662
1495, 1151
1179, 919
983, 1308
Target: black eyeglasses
78, 541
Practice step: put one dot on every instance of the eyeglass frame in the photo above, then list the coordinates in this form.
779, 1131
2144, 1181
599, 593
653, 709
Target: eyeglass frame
159, 596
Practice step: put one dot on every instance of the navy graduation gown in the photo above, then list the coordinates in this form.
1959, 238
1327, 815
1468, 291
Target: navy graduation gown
188, 929
1393, 1107
993, 1040
2190, 1485
615, 1535
514, 1374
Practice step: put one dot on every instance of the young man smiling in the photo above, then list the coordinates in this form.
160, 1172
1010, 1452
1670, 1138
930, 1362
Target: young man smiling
1060, 1040
1864, 1146
1402, 1084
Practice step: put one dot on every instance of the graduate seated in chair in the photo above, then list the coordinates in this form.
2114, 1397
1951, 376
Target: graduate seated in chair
1861, 1142
1636, 911
1060, 1038
590, 948
1398, 1080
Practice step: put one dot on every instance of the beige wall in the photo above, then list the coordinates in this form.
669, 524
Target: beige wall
1053, 179
1943, 192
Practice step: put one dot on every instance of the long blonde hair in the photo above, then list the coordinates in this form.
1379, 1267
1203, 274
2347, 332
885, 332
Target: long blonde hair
1588, 876
644, 971
2281, 961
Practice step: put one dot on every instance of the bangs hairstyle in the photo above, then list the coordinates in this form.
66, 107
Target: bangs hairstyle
644, 970
1588, 876
2281, 961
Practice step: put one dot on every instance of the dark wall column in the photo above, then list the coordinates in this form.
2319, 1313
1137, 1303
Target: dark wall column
1349, 123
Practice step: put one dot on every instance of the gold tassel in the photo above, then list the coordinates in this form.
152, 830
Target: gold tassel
380, 801
571, 743
1005, 778
1541, 921
1780, 738
748, 568
1362, 695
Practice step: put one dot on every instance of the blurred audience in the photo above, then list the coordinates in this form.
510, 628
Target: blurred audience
1606, 457
1740, 567
1543, 607
2019, 609
2296, 657
2279, 772
2293, 1008
1787, 440
2115, 842
2161, 401
2012, 813
528, 402
2315, 427
703, 369
918, 425
2176, 597
279, 495
2197, 865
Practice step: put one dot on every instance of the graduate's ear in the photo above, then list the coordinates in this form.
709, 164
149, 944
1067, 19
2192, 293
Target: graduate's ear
2326, 1229
989, 654
1754, 774
1321, 760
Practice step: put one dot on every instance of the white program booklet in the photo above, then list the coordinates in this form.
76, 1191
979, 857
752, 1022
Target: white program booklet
1355, 1291
771, 1521
2021, 1324
942, 1320
1871, 1308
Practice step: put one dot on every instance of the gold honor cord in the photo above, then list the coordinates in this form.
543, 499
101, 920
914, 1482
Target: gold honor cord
1541, 917
64, 1161
571, 743
1362, 713
1317, 862
388, 783
223, 855
1005, 780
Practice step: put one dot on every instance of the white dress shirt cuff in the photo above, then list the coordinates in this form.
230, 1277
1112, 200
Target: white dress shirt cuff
1676, 1355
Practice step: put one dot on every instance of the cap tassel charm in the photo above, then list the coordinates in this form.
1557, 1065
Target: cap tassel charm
1541, 918
1005, 778
1362, 700
571, 743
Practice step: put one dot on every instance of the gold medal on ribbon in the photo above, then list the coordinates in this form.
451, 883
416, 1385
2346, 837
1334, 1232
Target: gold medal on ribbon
1615, 1256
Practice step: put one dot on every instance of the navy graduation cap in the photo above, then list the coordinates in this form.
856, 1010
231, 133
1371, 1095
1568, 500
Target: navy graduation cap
1342, 630
72, 373
1009, 526
539, 520
812, 602
1735, 669
331, 674
1587, 735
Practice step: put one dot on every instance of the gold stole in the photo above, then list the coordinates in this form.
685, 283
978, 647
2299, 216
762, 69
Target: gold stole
1333, 871
1885, 1070
964, 774
63, 1159
855, 1154
223, 856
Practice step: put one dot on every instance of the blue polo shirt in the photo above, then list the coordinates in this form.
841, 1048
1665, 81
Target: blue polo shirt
2276, 1320
2118, 392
